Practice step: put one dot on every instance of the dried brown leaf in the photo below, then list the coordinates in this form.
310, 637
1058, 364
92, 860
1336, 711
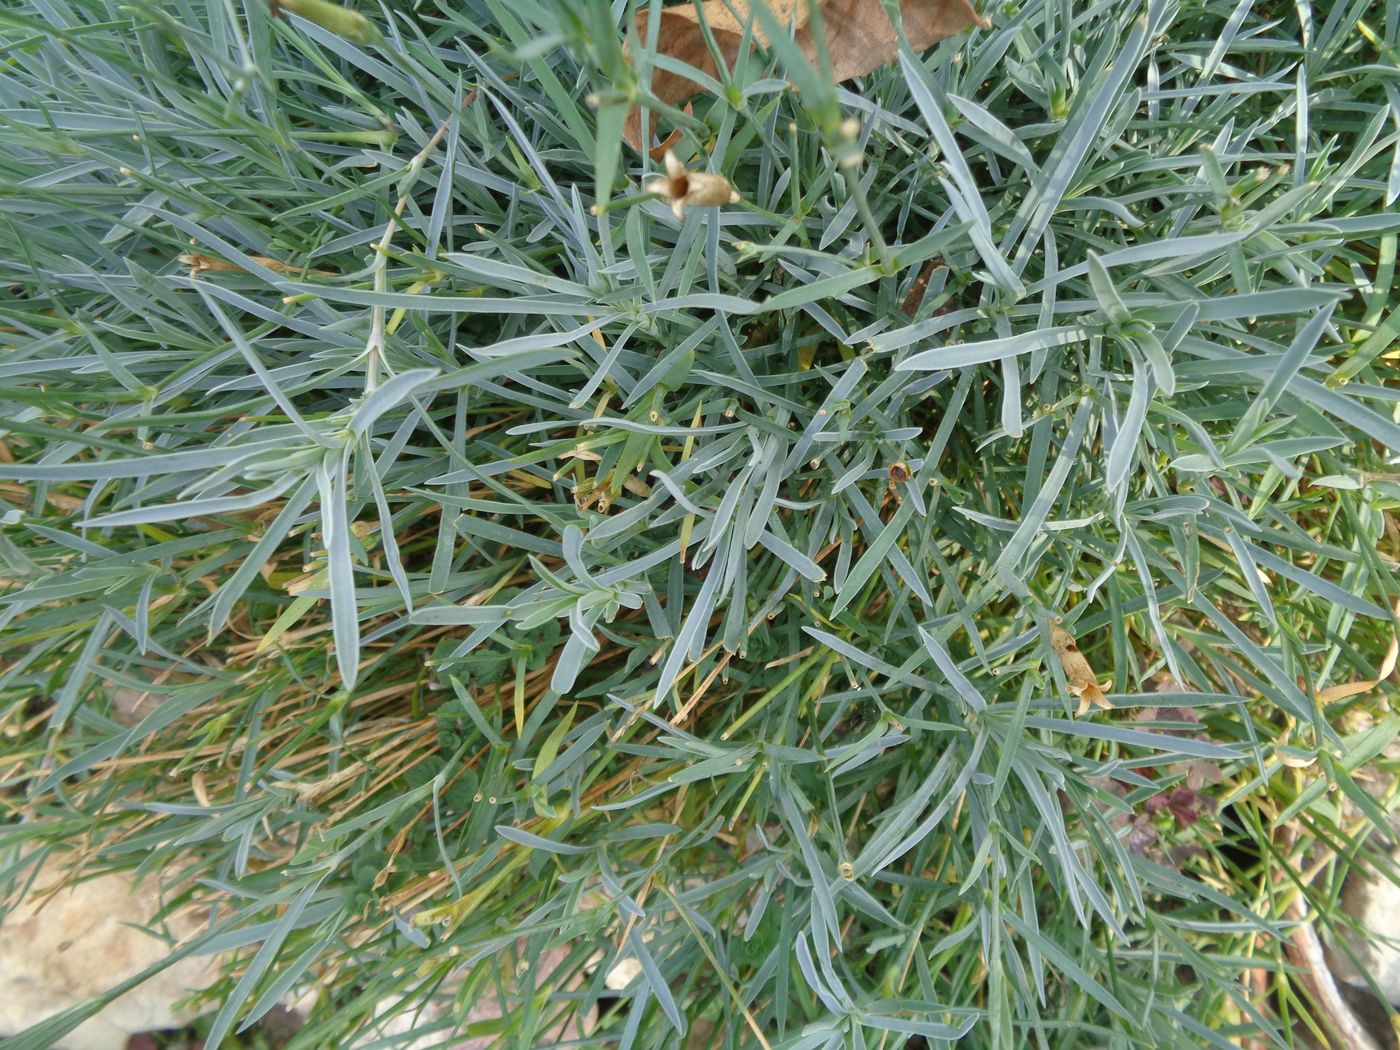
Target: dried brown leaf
919, 288
859, 38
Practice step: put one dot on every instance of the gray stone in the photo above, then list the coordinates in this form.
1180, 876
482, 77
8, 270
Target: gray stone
60, 949
1375, 905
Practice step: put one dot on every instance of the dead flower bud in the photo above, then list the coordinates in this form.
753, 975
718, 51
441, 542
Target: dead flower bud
1083, 683
683, 188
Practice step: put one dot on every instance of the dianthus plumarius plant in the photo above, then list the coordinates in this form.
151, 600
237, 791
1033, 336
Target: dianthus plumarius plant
459, 575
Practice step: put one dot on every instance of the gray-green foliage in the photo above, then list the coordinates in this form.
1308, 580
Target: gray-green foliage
664, 590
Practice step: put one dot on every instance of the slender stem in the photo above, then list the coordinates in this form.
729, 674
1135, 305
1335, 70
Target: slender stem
729, 987
867, 218
374, 347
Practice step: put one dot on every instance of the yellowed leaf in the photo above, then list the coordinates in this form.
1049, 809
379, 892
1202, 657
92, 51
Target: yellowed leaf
201, 263
1334, 693
859, 38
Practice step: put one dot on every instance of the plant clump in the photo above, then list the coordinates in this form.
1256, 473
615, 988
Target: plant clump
916, 563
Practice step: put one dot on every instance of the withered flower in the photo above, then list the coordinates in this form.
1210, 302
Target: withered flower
683, 188
1083, 683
